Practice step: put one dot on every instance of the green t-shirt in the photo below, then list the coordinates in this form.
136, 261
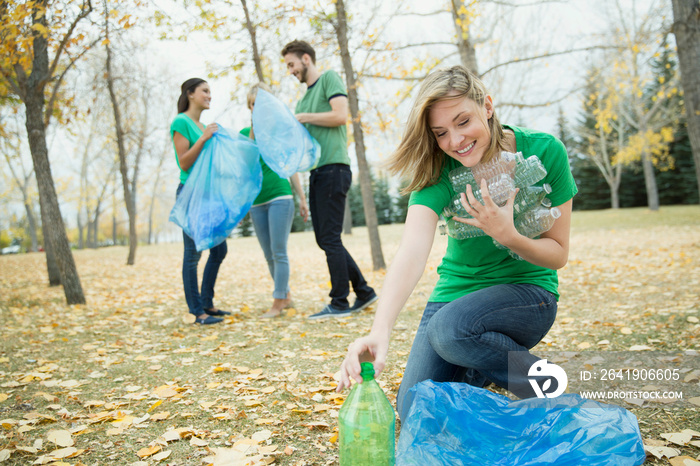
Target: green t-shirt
474, 264
273, 186
333, 141
191, 131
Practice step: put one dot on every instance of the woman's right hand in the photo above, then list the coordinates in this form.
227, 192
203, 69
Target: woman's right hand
370, 348
209, 131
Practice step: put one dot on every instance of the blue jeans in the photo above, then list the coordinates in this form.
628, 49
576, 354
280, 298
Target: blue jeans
272, 223
328, 189
196, 302
469, 340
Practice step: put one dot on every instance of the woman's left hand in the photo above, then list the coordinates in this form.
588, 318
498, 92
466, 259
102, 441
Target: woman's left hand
303, 210
495, 221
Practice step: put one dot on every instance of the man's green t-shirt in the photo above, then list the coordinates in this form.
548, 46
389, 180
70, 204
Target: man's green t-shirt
191, 131
333, 141
273, 186
476, 263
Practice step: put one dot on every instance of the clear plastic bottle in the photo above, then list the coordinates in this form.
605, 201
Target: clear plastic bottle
459, 230
455, 208
460, 177
533, 223
367, 424
504, 163
536, 221
500, 187
530, 196
529, 171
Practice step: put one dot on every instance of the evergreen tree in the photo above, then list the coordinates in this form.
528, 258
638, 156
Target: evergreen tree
357, 209
383, 200
245, 227
594, 190
676, 179
401, 205
298, 223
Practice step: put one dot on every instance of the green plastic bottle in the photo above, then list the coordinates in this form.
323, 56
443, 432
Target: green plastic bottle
367, 424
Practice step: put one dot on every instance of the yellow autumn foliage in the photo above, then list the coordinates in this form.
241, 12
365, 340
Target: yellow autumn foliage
653, 143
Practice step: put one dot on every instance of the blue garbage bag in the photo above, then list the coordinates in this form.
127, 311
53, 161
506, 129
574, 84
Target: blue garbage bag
224, 181
285, 145
458, 424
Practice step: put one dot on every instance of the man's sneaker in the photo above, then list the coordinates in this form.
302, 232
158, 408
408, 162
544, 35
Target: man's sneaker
330, 311
363, 303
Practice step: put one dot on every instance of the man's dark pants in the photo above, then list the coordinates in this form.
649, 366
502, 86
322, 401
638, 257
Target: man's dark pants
328, 189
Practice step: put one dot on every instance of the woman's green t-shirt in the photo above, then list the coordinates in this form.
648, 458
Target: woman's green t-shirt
191, 131
476, 263
273, 186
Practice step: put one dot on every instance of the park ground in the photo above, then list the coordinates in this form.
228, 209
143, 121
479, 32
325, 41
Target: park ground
126, 379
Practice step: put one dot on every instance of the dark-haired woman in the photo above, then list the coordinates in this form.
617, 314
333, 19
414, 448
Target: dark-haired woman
189, 136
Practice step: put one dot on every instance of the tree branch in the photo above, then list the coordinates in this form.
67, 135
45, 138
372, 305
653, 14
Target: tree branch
59, 80
408, 46
546, 55
413, 13
518, 5
543, 104
61, 47
409, 78
14, 84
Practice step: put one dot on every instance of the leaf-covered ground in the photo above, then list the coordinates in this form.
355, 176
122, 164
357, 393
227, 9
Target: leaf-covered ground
126, 379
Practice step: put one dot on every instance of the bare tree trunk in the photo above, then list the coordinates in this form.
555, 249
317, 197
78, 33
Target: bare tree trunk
81, 231
31, 219
251, 30
467, 53
23, 185
51, 265
123, 168
686, 27
153, 198
114, 226
95, 226
650, 182
54, 229
365, 181
347, 218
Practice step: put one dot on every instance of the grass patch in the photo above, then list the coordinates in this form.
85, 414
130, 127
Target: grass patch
126, 369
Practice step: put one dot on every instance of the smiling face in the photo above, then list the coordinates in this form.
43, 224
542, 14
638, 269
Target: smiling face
460, 127
298, 66
201, 96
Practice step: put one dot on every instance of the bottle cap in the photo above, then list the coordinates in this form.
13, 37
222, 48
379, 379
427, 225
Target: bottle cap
367, 370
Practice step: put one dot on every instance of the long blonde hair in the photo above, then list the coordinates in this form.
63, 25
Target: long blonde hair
253, 92
418, 157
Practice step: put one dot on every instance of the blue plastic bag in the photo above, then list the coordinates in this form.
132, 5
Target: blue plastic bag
457, 424
285, 145
223, 183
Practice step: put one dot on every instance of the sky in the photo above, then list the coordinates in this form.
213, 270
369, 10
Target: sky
562, 25
529, 29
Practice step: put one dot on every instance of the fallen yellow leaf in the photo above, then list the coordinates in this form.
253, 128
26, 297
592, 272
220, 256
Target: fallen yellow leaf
145, 452
155, 405
160, 416
162, 455
62, 438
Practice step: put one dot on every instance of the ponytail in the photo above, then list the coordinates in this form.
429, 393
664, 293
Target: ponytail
187, 87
